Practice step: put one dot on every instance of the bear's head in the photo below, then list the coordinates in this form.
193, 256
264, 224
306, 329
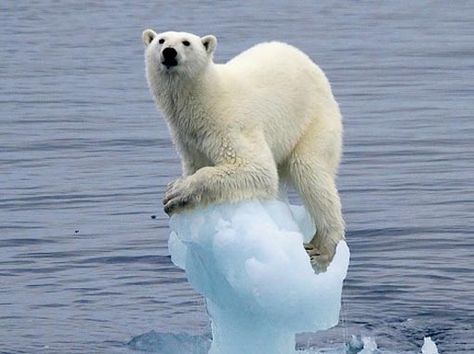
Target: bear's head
177, 52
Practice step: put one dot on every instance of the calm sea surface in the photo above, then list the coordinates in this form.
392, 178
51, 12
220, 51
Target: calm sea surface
85, 156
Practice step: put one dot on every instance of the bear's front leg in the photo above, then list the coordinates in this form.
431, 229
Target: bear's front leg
242, 168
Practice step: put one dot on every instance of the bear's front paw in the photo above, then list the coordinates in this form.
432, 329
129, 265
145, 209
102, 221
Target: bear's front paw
179, 195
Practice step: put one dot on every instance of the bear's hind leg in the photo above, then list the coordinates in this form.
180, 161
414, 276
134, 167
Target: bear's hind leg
316, 186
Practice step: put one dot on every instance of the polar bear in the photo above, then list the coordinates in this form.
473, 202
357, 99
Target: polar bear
266, 116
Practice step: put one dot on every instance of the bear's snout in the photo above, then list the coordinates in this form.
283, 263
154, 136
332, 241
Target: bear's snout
169, 55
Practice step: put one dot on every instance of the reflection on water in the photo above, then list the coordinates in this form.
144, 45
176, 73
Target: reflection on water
85, 156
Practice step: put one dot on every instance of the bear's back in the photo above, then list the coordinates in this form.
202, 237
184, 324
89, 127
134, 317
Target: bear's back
274, 63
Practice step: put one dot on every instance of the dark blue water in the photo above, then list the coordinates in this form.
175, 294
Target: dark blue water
84, 158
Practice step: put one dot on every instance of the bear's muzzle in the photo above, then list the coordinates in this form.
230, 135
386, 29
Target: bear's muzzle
169, 57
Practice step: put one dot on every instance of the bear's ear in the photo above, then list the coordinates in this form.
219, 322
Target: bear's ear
209, 42
147, 36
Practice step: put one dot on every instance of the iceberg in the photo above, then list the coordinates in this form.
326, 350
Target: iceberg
247, 259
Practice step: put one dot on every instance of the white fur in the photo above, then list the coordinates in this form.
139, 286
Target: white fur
266, 115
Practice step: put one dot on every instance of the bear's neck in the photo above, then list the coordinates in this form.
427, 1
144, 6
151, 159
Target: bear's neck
181, 98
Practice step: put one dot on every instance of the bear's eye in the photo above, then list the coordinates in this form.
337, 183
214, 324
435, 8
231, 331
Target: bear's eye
161, 41
186, 43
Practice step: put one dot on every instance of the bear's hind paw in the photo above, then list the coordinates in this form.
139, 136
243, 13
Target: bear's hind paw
319, 261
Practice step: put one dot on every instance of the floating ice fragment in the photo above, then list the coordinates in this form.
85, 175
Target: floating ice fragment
355, 345
370, 347
429, 347
248, 260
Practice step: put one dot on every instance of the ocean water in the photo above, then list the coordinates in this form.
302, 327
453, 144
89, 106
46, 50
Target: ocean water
85, 158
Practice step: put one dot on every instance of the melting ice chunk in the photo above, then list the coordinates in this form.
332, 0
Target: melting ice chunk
248, 260
429, 347
361, 345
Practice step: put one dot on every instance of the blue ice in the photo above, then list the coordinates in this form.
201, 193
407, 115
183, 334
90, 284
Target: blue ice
248, 261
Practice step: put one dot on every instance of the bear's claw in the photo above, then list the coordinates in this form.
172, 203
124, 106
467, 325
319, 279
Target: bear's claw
319, 261
311, 249
178, 196
175, 204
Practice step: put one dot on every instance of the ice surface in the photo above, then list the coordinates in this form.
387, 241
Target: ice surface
248, 260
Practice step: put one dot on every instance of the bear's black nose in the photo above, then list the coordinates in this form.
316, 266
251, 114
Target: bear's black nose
169, 53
